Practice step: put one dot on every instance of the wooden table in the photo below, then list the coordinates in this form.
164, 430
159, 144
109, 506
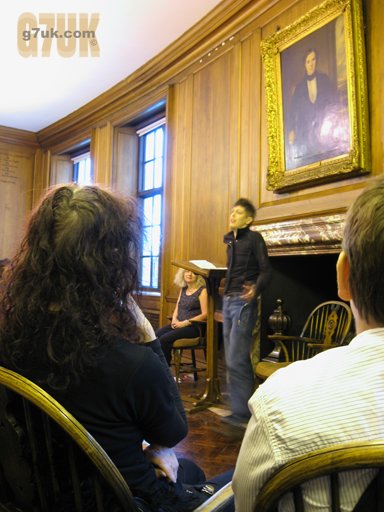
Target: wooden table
212, 277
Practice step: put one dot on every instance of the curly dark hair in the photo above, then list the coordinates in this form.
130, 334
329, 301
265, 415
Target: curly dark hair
64, 300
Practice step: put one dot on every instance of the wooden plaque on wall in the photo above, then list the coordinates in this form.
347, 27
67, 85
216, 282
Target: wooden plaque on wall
16, 181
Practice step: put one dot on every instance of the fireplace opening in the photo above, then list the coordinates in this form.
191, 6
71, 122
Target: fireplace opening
302, 282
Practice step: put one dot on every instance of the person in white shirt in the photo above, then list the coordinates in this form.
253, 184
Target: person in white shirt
336, 396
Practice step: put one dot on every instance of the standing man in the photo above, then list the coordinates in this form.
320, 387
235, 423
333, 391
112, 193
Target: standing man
248, 273
336, 396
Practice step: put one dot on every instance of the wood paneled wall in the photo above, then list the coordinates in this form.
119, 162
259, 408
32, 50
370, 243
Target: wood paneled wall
17, 162
218, 145
213, 84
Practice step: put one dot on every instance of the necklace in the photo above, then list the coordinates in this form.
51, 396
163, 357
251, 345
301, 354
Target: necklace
191, 291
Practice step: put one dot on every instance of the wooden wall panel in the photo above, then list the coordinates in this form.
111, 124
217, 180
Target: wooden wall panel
61, 169
375, 42
179, 172
102, 154
41, 175
203, 171
215, 150
125, 161
250, 72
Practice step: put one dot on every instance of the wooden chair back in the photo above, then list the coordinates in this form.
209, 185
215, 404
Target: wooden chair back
328, 462
327, 326
49, 461
329, 323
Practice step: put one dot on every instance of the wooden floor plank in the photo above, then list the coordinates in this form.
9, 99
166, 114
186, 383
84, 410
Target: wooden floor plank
210, 443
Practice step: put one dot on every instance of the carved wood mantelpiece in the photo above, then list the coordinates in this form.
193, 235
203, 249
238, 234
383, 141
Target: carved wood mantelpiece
313, 235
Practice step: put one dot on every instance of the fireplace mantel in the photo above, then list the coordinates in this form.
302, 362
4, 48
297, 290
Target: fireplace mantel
311, 235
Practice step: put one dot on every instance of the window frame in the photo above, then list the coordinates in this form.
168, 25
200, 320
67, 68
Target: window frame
76, 161
143, 194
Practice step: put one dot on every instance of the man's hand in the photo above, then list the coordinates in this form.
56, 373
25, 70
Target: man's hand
249, 292
164, 460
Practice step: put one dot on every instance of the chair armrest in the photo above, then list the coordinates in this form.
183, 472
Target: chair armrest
222, 498
318, 345
201, 324
284, 338
322, 346
283, 346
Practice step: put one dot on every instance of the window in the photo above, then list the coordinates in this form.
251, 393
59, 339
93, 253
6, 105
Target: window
150, 194
82, 169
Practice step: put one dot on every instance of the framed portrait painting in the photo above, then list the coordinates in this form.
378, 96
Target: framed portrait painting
316, 98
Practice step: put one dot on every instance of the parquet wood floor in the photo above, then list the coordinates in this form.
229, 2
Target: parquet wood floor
210, 443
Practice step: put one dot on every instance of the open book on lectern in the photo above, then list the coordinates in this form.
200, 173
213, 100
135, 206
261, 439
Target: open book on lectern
206, 264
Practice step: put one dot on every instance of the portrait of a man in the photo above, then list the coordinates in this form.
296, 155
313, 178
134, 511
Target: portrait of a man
315, 98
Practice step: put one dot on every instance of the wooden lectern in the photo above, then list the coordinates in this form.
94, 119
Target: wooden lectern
212, 277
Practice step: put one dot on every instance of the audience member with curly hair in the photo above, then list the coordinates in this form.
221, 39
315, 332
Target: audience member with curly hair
69, 323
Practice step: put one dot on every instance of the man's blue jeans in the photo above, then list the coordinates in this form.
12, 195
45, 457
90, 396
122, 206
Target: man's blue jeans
239, 319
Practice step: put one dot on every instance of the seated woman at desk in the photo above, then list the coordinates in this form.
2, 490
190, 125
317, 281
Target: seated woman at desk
192, 305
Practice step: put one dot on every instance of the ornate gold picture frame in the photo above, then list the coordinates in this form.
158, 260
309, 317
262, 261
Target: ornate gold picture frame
316, 98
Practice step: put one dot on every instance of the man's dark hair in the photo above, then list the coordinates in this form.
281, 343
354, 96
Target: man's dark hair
247, 205
363, 244
65, 296
308, 51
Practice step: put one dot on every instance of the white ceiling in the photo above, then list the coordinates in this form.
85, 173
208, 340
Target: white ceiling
37, 91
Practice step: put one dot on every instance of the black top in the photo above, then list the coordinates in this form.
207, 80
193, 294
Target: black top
130, 397
189, 305
247, 261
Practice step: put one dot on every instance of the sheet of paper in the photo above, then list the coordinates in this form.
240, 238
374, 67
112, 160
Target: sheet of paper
204, 264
